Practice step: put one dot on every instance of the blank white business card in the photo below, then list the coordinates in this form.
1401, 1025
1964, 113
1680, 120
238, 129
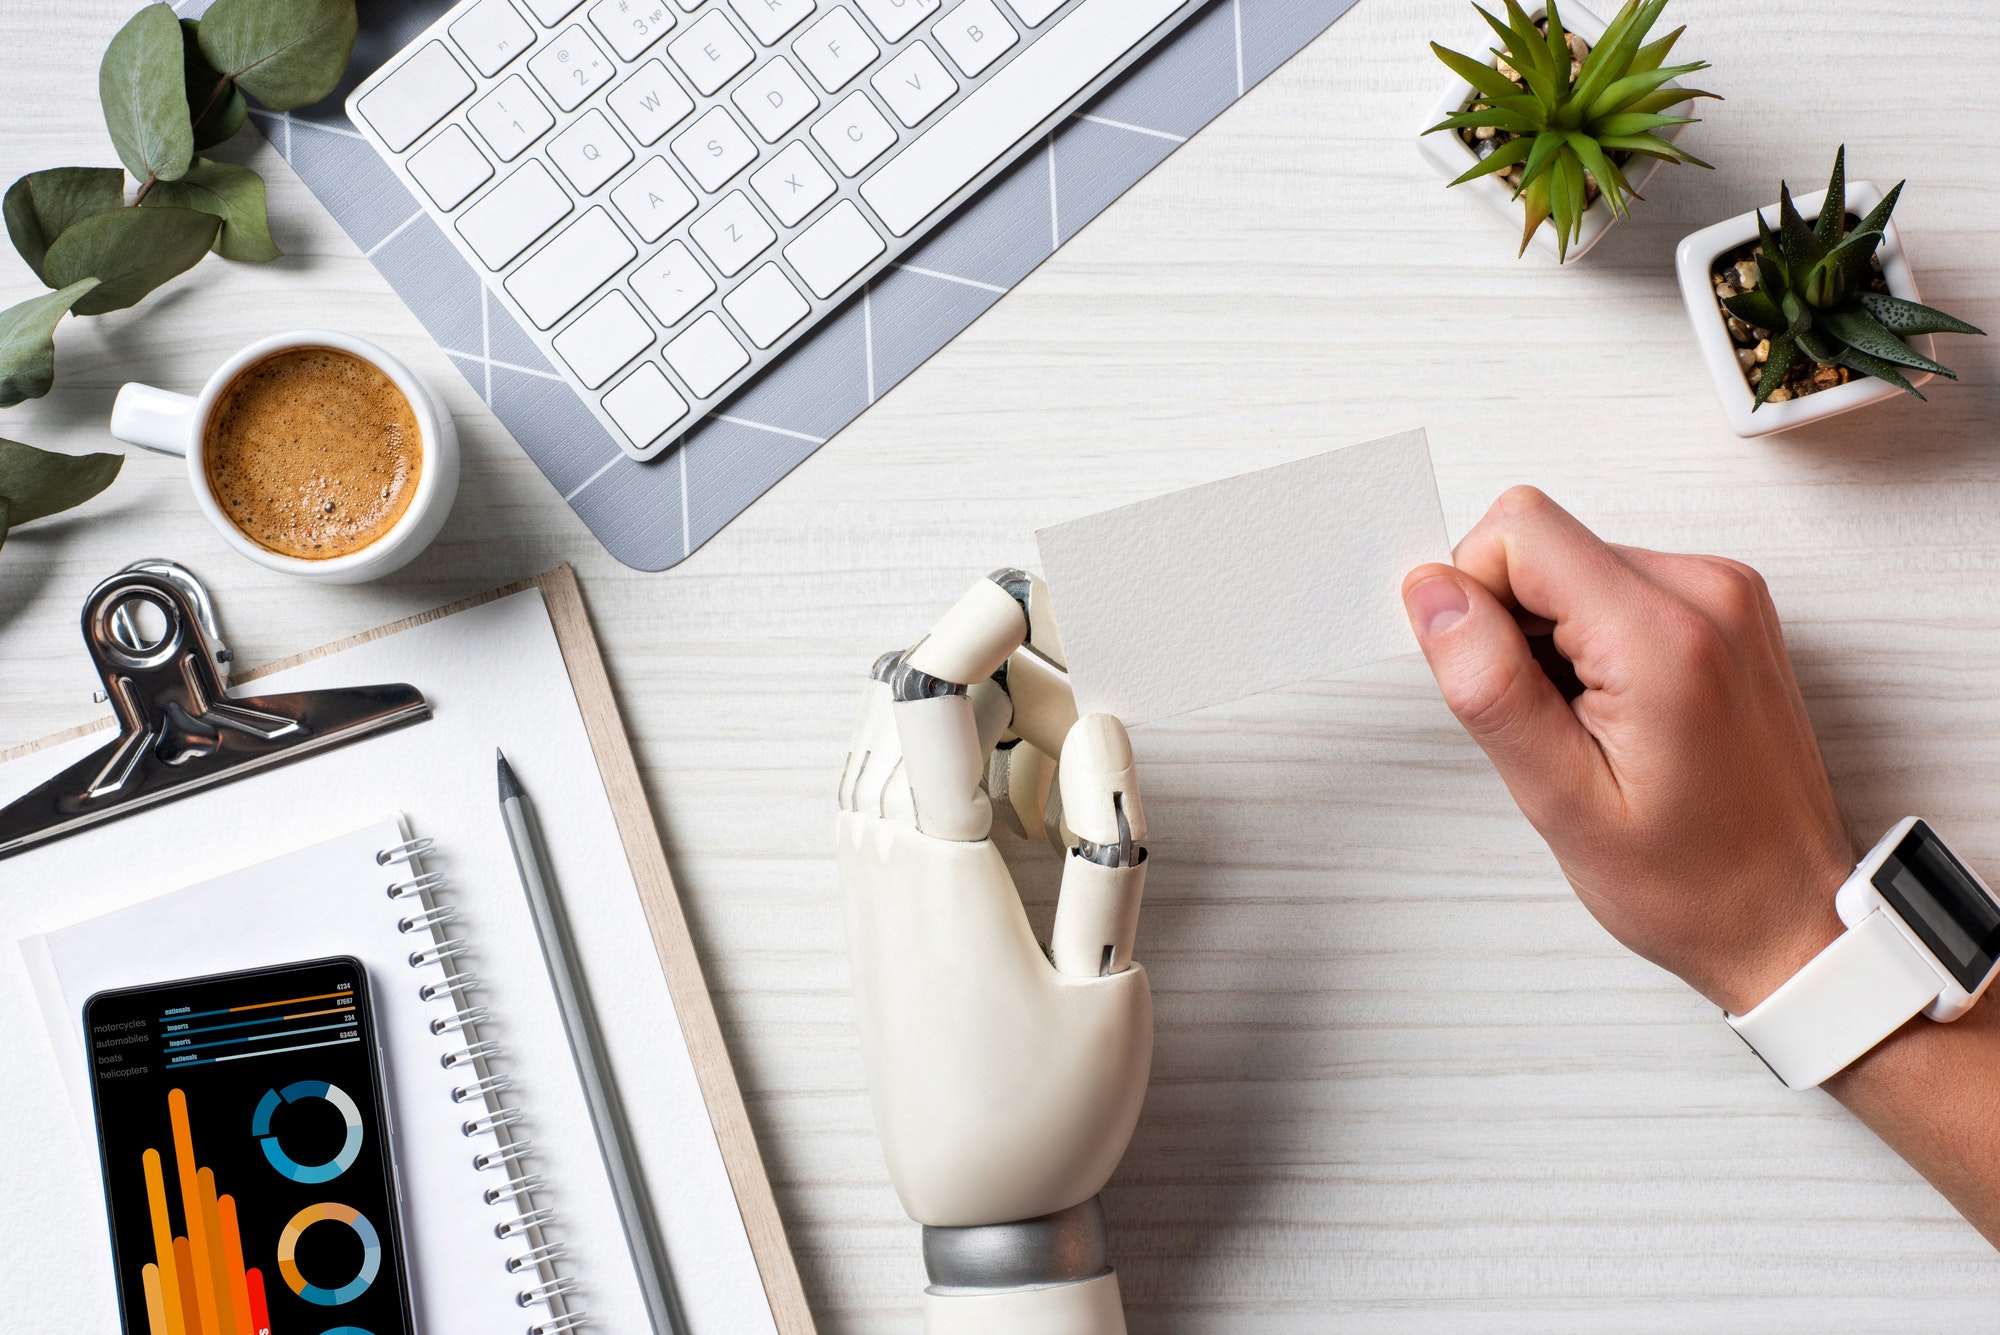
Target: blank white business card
1234, 587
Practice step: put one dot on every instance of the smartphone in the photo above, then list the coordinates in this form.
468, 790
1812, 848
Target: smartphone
246, 1154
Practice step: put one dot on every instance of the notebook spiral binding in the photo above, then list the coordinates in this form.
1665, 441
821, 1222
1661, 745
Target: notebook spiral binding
495, 1121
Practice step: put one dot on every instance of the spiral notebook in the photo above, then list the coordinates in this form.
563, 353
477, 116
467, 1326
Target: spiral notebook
480, 1239
283, 867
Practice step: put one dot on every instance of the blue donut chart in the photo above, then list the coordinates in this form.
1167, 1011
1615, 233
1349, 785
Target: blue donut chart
309, 1174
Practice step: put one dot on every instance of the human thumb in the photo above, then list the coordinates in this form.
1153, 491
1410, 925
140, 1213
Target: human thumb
1491, 682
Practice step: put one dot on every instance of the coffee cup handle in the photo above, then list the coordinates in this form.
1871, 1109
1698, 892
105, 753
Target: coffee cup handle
156, 419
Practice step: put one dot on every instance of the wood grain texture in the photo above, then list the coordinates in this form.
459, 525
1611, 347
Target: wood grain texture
1403, 1082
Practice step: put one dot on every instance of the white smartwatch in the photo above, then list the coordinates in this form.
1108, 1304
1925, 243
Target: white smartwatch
1922, 934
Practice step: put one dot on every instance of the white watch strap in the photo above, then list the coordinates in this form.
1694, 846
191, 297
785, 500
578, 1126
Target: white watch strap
1850, 997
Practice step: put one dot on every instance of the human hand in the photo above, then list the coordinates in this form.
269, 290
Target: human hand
1682, 791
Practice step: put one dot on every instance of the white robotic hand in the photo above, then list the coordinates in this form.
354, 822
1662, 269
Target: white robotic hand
1006, 1079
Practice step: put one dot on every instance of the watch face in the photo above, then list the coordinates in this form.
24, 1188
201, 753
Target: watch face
1943, 904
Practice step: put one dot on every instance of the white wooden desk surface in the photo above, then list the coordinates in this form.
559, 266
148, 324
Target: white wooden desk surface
1403, 1082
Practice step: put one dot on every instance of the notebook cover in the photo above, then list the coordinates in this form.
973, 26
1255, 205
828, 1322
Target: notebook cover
652, 515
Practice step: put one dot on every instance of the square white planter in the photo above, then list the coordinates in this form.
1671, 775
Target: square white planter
1697, 252
1450, 157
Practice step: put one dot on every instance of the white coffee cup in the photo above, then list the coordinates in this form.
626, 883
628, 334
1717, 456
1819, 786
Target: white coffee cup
158, 419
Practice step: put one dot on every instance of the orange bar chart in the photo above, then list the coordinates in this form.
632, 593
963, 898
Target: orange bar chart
168, 1319
196, 1283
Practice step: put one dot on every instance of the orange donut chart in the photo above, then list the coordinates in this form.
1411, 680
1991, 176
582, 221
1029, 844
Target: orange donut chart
336, 1213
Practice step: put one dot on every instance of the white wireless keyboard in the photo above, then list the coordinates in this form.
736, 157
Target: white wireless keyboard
669, 193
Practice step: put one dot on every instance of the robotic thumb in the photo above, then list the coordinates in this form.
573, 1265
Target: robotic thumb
1100, 785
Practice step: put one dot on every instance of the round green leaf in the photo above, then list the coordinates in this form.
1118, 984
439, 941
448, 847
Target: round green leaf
42, 205
37, 483
143, 88
27, 342
232, 193
132, 250
284, 54
216, 103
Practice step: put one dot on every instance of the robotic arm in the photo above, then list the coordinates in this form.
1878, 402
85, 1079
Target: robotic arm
1006, 1079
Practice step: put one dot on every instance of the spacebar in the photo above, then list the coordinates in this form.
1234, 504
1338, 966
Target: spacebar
1010, 105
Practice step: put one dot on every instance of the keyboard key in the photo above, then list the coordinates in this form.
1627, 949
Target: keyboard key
894, 18
765, 305
650, 102
793, 183
551, 12
491, 33
515, 212
653, 199
631, 25
416, 97
672, 283
732, 233
710, 52
589, 152
706, 355
835, 49
771, 19
561, 274
645, 405
570, 67
853, 133
974, 35
449, 168
774, 99
603, 339
510, 118
1032, 12
1000, 112
914, 84
834, 249
714, 149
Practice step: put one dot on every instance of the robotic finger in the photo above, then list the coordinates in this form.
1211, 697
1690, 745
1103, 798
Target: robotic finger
975, 679
870, 781
1104, 876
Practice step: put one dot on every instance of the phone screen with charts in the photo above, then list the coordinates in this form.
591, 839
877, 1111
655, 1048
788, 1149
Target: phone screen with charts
246, 1161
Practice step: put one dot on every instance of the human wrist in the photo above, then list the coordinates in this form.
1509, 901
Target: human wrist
1777, 944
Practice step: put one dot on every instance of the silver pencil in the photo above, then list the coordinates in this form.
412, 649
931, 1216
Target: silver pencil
614, 1140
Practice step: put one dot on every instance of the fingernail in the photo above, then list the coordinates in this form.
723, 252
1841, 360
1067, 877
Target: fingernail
1436, 605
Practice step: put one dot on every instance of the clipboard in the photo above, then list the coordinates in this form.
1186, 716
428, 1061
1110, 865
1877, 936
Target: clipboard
639, 842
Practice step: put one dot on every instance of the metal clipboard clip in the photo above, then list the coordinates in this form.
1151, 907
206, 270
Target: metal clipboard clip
151, 631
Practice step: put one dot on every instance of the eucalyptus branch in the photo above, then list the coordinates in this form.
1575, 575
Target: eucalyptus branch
224, 84
75, 230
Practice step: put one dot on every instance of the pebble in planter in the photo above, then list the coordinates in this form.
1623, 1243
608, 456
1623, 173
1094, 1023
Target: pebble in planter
1567, 118
1818, 305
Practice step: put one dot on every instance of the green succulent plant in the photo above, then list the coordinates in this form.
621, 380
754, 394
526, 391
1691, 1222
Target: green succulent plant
1813, 293
1564, 126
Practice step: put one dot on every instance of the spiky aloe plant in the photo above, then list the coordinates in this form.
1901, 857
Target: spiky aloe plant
1813, 294
1564, 126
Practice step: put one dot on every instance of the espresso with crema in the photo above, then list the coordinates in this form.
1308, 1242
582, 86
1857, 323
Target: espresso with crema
313, 453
